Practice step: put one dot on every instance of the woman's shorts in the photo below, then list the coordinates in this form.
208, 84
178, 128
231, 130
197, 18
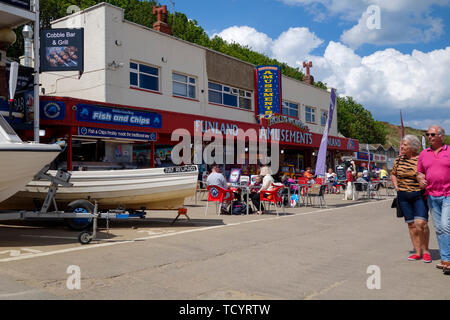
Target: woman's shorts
413, 206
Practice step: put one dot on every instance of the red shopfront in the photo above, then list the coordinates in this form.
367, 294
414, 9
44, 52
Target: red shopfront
123, 144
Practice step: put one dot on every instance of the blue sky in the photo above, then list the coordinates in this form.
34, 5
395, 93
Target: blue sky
402, 65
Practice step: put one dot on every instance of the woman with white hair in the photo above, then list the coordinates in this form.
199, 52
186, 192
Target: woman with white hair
410, 198
266, 173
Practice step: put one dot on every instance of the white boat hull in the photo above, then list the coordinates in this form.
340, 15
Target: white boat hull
128, 189
20, 162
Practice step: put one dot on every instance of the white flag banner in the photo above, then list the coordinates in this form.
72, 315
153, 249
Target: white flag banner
424, 144
13, 73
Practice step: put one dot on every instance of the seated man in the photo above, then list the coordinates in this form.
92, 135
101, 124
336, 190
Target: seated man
216, 178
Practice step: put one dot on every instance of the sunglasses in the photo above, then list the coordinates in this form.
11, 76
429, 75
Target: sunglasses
430, 134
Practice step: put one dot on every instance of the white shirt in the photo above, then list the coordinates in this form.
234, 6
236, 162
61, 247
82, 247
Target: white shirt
267, 182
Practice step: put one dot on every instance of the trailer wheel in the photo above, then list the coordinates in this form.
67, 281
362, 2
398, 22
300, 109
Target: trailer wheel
80, 206
84, 237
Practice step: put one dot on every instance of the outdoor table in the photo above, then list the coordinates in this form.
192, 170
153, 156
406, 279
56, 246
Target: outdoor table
247, 192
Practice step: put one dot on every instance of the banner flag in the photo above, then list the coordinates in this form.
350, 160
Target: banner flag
322, 156
424, 145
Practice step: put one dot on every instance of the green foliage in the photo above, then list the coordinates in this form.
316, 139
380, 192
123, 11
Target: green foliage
356, 122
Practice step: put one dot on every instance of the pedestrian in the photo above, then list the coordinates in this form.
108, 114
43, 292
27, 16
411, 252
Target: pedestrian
410, 197
433, 173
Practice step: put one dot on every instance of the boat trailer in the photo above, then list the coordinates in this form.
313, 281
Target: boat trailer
80, 214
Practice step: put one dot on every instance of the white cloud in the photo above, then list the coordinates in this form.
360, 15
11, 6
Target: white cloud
291, 47
247, 36
382, 82
388, 78
402, 21
294, 45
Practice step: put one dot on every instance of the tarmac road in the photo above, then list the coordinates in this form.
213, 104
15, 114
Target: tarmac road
310, 253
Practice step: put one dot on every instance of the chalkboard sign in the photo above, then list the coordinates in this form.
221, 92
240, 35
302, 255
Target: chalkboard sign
340, 172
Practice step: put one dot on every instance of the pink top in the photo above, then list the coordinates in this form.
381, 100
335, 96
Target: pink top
436, 168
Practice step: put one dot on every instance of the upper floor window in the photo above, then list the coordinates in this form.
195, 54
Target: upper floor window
323, 117
310, 114
289, 109
144, 76
183, 85
229, 96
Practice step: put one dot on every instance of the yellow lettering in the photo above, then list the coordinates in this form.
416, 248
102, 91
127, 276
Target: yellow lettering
268, 99
268, 90
268, 94
269, 85
268, 72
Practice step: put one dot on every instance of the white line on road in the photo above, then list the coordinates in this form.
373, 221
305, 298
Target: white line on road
94, 246
10, 295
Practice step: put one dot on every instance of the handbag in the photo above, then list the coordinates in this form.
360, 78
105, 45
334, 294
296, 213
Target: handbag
397, 206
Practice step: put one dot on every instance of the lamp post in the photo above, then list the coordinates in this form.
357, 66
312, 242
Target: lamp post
36, 71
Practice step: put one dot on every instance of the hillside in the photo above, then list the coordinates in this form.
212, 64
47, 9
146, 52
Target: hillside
394, 133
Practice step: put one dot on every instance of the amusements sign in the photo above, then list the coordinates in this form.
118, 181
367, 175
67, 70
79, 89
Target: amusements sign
62, 50
268, 88
24, 4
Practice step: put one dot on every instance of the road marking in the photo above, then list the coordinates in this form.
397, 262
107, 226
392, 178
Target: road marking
107, 244
17, 253
316, 294
9, 295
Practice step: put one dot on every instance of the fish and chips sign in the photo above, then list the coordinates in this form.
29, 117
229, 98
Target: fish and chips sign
268, 88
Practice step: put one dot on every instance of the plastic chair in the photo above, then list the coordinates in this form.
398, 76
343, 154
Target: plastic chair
219, 195
376, 189
317, 191
274, 196
318, 181
360, 187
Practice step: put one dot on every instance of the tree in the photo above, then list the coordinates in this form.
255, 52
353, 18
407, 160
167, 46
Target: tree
356, 122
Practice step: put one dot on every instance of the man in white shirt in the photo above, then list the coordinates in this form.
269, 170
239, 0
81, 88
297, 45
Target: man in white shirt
216, 178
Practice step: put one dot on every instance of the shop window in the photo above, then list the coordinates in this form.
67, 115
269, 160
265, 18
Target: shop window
289, 109
310, 114
144, 76
229, 96
184, 86
323, 117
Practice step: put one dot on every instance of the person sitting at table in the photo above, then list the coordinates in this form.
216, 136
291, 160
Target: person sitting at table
267, 182
254, 194
308, 175
360, 178
216, 178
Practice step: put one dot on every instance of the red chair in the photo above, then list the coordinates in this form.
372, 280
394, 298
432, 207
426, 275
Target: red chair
274, 196
318, 181
302, 180
219, 195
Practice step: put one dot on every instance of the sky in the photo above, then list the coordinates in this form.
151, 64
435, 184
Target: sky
389, 55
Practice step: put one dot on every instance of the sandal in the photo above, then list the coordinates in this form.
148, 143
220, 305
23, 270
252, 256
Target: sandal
440, 265
446, 268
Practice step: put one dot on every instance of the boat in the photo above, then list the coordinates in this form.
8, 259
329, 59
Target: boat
153, 188
20, 161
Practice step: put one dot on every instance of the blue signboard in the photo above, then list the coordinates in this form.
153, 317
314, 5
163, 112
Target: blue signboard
364, 156
52, 110
268, 84
116, 116
119, 134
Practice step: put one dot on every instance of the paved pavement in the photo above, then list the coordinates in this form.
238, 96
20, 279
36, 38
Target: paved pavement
309, 253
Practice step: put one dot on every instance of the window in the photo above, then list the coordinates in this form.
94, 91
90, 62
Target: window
184, 86
229, 96
144, 76
323, 117
310, 114
289, 109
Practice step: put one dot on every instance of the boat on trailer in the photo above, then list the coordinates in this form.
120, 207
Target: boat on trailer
137, 189
20, 161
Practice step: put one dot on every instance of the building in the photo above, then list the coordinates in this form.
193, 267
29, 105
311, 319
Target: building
163, 84
15, 13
